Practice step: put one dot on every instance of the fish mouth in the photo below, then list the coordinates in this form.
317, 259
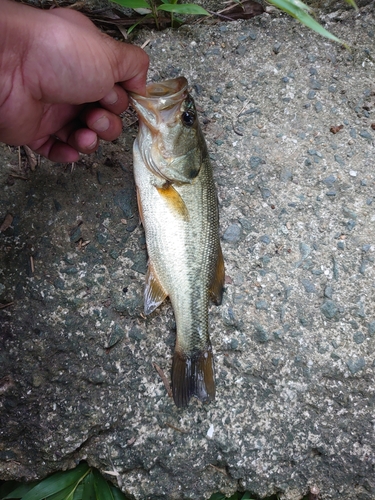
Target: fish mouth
172, 89
161, 102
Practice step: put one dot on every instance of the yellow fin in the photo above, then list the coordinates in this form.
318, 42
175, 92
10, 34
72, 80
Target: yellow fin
154, 293
193, 376
217, 283
174, 201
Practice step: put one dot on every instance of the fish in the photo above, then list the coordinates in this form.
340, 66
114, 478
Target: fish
178, 208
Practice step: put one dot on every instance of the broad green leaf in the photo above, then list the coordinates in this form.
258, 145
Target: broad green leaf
218, 496
57, 482
102, 489
247, 496
186, 8
88, 487
117, 493
62, 494
296, 11
78, 492
133, 4
7, 488
18, 491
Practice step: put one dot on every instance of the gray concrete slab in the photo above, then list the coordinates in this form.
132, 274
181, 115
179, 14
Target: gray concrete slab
288, 119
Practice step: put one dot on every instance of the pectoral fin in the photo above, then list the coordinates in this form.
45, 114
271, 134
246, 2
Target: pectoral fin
217, 283
176, 204
140, 207
154, 293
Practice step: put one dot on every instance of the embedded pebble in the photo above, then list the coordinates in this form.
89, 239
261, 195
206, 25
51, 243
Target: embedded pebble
308, 286
329, 309
233, 233
355, 365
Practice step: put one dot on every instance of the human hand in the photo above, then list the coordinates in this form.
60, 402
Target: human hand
63, 83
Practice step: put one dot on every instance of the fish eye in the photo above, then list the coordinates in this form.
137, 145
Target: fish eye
188, 118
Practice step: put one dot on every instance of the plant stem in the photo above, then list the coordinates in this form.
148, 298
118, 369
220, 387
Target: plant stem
155, 13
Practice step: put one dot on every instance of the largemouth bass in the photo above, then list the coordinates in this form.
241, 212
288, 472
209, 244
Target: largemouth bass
178, 207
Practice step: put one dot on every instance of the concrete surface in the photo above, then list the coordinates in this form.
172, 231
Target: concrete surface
294, 338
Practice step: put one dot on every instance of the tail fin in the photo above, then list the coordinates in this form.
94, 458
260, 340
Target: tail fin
193, 376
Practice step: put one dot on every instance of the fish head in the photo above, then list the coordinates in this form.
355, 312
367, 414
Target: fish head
170, 140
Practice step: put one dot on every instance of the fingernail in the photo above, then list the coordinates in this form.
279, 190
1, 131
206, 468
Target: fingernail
90, 136
101, 125
93, 144
111, 97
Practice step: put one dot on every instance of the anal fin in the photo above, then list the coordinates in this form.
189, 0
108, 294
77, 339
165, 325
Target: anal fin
217, 282
174, 201
154, 293
193, 376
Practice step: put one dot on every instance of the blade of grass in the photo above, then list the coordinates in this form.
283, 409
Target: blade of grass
57, 482
138, 22
300, 13
133, 4
186, 8
353, 4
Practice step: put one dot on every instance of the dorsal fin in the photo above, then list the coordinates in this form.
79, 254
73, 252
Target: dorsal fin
217, 282
174, 200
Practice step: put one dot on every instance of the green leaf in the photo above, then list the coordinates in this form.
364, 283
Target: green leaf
57, 482
138, 22
298, 9
247, 496
133, 4
102, 489
62, 494
78, 492
117, 493
88, 487
186, 8
17, 491
218, 496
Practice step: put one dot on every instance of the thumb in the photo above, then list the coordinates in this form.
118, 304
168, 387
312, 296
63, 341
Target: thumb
130, 65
